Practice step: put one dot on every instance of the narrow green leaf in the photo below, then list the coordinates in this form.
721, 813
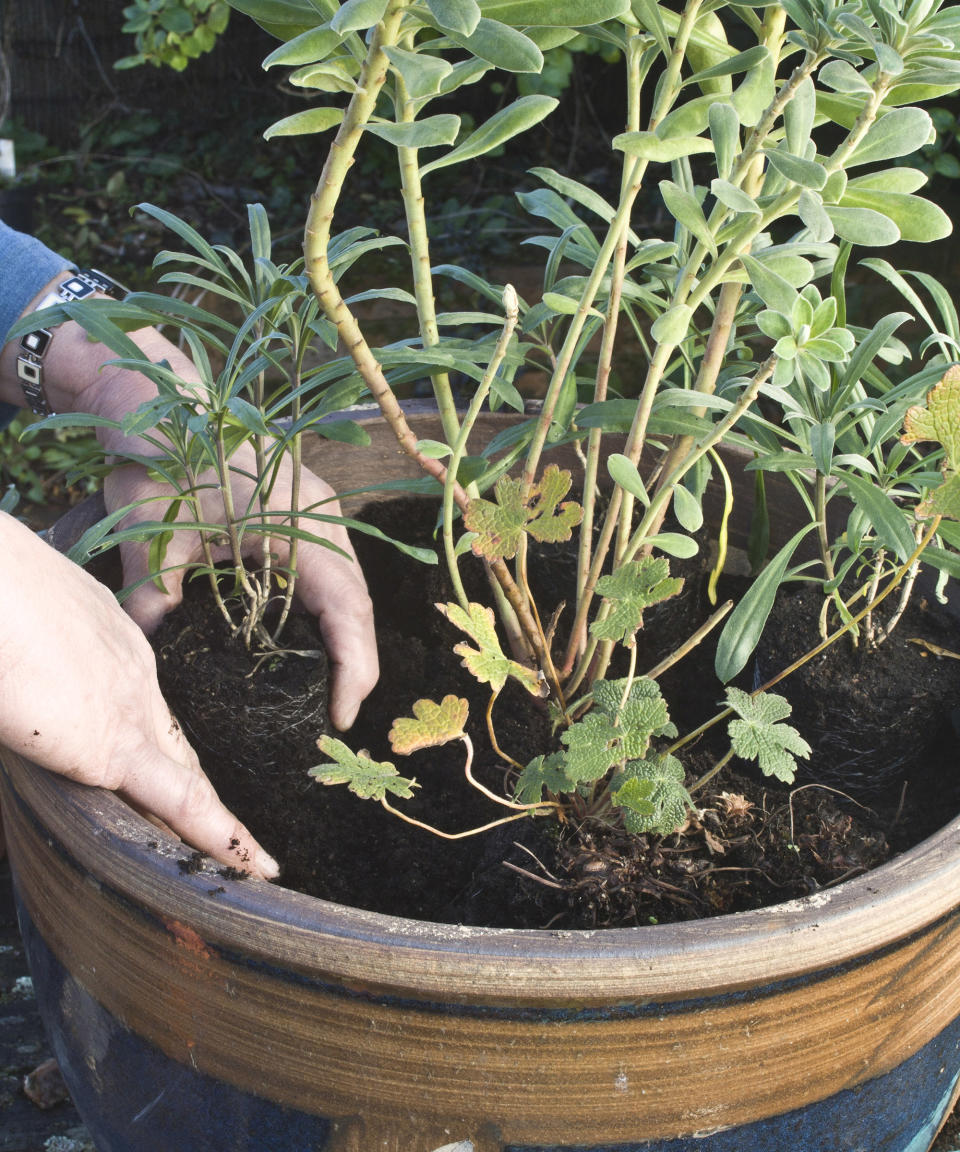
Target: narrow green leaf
687, 509
842, 77
358, 15
554, 13
303, 123
502, 46
508, 122
673, 326
284, 19
863, 226
725, 134
565, 305
772, 288
461, 16
624, 472
741, 62
650, 17
649, 146
689, 119
746, 622
734, 198
431, 132
822, 439
814, 216
756, 92
422, 73
918, 220
898, 179
888, 520
686, 210
897, 133
675, 544
186, 233
307, 48
805, 173
580, 194
798, 117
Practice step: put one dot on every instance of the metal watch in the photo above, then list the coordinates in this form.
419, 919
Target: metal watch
34, 345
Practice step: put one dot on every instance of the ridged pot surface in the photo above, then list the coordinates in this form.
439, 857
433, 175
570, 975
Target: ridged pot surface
364, 1031
193, 1012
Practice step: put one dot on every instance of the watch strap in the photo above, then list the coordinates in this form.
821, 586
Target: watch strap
35, 345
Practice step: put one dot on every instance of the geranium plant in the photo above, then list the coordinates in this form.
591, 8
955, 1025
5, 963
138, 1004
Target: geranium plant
771, 138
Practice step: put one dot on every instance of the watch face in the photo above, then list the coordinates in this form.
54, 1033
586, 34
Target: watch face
36, 342
75, 289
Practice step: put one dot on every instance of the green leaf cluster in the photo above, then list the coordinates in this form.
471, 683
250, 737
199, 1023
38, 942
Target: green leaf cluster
171, 33
651, 796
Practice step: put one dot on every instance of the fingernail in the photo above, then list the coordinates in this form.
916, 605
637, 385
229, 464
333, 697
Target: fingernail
268, 868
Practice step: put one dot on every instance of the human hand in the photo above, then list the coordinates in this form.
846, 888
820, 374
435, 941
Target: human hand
79, 696
330, 584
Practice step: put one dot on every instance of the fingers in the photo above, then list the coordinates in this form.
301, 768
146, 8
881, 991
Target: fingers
185, 800
351, 646
147, 604
333, 590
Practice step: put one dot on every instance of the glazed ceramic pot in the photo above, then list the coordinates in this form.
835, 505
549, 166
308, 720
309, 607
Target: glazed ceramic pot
191, 1013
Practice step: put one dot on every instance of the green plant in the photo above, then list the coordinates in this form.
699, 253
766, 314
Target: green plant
227, 441
740, 312
43, 468
172, 32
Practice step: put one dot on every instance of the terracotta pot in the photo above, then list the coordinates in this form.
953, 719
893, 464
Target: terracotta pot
194, 1013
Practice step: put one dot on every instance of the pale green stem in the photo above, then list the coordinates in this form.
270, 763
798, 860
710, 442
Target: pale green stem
607, 347
512, 310
413, 202
628, 680
296, 460
316, 239
521, 810
669, 90
253, 593
662, 497
693, 293
691, 642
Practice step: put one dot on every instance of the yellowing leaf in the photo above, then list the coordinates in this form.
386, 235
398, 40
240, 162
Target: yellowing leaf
366, 778
940, 419
487, 662
499, 525
942, 501
430, 726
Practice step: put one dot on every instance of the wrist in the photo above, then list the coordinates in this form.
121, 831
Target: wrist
33, 347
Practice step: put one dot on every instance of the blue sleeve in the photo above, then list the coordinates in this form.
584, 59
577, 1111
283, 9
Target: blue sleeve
26, 266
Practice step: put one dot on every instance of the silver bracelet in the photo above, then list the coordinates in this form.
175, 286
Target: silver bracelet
34, 345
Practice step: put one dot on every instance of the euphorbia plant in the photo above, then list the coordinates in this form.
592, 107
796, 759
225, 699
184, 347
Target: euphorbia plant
768, 147
769, 136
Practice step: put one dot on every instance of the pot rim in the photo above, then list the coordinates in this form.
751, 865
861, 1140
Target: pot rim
101, 835
269, 924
